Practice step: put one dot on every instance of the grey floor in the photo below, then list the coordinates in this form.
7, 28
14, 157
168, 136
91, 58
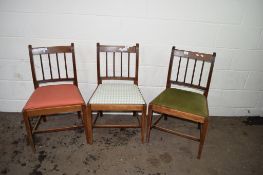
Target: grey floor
231, 147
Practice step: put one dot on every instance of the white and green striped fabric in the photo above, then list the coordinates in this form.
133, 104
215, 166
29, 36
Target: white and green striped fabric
117, 94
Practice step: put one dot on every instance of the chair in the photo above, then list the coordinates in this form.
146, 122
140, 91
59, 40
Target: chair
114, 63
49, 66
192, 71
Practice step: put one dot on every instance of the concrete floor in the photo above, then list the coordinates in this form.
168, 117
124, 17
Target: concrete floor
231, 147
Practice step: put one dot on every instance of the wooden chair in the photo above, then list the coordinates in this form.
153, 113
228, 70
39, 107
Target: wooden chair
56, 98
116, 96
189, 72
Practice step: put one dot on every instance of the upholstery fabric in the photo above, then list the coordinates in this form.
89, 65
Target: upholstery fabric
183, 100
54, 96
117, 94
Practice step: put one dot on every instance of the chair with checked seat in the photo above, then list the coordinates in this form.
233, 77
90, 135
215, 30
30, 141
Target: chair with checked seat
114, 64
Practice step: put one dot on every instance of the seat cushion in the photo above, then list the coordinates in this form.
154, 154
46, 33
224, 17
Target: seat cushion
117, 94
182, 100
54, 96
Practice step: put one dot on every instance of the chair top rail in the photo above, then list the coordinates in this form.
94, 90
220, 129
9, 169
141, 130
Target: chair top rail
194, 55
127, 49
51, 50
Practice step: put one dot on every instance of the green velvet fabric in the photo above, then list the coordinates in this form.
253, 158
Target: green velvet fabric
182, 100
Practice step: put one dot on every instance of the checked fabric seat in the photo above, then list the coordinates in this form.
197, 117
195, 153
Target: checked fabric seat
117, 94
119, 64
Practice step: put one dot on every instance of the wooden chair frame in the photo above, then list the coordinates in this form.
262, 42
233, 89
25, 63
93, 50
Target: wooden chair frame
165, 111
116, 107
43, 112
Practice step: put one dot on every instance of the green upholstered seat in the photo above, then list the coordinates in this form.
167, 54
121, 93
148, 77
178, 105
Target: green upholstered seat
182, 100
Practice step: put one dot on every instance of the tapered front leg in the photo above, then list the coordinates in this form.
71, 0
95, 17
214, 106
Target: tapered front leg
203, 131
29, 131
89, 134
143, 120
149, 123
84, 118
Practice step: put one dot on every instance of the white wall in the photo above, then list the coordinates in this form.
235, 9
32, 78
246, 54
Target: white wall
232, 28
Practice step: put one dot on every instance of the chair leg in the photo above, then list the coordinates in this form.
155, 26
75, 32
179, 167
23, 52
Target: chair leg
84, 118
79, 114
165, 117
199, 126
101, 114
44, 118
149, 123
88, 126
203, 132
29, 132
143, 119
135, 113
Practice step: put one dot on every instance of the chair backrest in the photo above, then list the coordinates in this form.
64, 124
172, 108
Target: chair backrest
117, 63
190, 69
53, 64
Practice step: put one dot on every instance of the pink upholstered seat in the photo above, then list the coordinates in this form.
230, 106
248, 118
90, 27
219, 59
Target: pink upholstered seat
54, 96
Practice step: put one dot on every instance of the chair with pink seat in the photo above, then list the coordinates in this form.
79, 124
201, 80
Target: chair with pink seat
53, 68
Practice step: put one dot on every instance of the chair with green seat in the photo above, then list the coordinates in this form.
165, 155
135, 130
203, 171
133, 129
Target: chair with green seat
190, 74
